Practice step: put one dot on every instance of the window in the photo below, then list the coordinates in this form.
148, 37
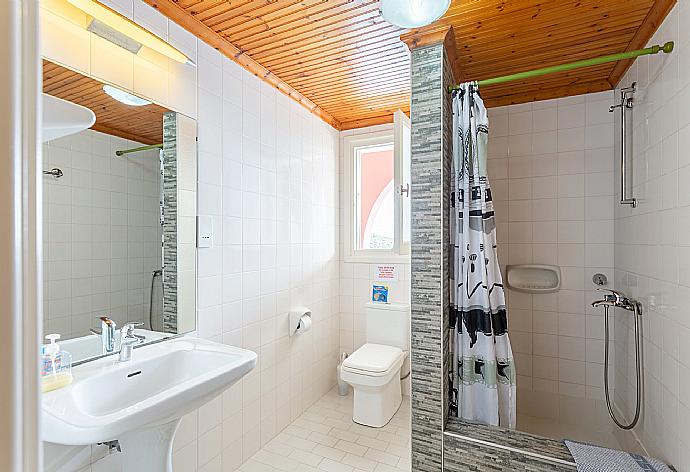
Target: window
374, 200
377, 173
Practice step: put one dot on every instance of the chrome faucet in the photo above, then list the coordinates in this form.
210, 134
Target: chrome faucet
617, 299
107, 334
127, 341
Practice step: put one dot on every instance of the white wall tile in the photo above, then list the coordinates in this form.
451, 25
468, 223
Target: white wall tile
111, 63
544, 120
571, 139
559, 211
64, 41
571, 116
650, 264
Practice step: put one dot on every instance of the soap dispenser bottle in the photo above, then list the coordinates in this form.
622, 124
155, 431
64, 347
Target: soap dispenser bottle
56, 365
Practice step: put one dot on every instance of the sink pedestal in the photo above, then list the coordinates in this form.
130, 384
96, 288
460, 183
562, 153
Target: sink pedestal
149, 450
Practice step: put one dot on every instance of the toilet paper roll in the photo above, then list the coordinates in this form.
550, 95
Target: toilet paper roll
304, 324
296, 316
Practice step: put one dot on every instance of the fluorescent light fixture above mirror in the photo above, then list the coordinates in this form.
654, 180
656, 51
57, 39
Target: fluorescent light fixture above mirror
106, 19
125, 97
413, 13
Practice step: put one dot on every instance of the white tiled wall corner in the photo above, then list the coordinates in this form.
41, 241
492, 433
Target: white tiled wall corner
652, 246
100, 232
268, 176
551, 170
357, 278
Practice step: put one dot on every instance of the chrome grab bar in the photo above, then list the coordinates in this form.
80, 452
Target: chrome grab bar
626, 102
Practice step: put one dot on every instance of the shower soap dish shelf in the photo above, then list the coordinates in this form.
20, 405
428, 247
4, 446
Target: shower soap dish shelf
534, 278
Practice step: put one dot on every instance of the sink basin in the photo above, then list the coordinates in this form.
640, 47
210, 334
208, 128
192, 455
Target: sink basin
62, 118
140, 402
116, 390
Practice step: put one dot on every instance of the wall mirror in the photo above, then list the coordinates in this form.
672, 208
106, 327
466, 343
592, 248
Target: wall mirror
119, 212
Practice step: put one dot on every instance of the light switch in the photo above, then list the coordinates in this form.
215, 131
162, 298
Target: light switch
204, 231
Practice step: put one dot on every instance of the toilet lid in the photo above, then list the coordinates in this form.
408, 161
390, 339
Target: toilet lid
374, 358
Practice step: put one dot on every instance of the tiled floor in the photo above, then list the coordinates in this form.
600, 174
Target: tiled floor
559, 430
324, 438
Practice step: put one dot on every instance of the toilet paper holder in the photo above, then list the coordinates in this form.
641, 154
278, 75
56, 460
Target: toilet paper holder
299, 320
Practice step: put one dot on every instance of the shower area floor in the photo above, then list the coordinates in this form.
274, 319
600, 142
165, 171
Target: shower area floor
559, 416
558, 429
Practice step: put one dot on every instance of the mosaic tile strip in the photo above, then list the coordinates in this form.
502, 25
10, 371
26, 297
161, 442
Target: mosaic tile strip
447, 149
511, 438
429, 200
170, 222
462, 456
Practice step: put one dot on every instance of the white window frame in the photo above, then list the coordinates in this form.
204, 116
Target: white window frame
400, 252
402, 187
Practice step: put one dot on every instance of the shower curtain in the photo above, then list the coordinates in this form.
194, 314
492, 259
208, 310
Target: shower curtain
483, 371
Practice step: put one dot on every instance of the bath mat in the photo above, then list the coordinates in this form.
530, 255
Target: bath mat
591, 458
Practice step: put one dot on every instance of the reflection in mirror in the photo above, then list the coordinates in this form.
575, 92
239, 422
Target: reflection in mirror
119, 214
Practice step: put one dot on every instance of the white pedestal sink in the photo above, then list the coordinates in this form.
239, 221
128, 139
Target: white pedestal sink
140, 402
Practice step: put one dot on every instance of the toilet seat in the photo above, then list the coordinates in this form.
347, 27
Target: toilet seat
374, 360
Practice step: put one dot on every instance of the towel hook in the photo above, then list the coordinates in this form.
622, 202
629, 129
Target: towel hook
55, 172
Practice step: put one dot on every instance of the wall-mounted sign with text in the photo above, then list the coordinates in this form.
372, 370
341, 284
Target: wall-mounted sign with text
386, 272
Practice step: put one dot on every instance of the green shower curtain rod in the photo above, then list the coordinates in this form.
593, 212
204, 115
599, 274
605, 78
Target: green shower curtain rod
137, 149
666, 48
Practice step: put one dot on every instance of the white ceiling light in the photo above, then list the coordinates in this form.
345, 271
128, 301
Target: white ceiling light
125, 97
413, 13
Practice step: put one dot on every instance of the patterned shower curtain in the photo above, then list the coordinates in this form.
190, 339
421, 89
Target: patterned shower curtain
484, 372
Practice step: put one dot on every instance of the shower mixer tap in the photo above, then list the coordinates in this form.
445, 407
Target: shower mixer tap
617, 299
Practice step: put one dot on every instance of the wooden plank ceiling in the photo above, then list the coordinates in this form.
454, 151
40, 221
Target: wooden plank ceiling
341, 60
496, 38
143, 124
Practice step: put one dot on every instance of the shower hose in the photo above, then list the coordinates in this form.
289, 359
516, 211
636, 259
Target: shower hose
638, 368
154, 274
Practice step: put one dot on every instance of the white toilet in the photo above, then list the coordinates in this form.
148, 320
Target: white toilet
373, 370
